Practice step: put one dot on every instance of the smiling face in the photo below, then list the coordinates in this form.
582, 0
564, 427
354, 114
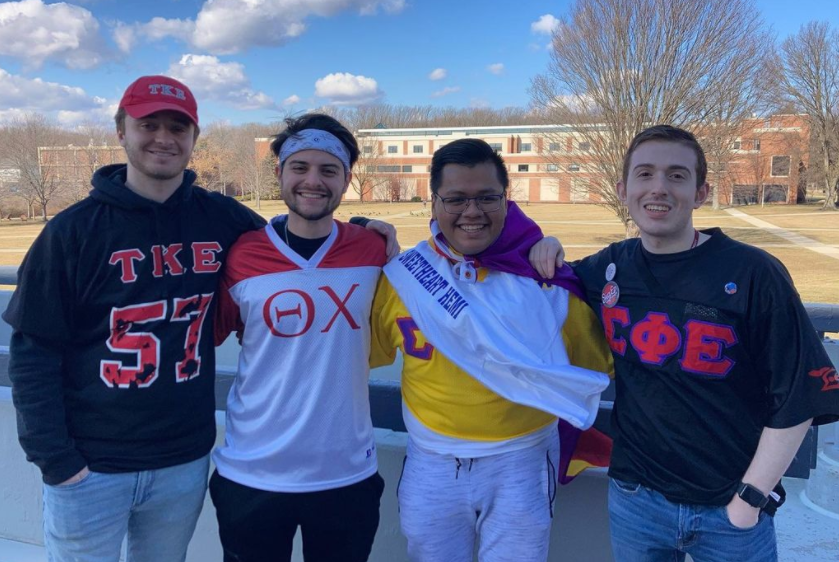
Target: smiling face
312, 183
661, 194
158, 147
472, 231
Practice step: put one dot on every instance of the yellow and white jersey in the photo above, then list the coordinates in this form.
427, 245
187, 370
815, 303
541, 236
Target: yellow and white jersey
447, 410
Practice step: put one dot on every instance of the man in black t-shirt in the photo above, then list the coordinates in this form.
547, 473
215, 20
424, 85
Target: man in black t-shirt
719, 372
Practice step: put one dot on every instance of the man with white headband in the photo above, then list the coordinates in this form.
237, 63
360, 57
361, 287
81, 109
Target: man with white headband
299, 448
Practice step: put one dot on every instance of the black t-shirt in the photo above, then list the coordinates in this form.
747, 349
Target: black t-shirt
711, 345
304, 247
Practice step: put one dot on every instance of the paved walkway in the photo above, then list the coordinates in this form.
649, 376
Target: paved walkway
797, 239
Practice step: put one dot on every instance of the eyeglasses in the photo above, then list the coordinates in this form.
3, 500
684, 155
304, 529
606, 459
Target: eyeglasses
485, 203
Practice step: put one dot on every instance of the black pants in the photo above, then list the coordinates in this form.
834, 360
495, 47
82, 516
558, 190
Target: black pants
257, 526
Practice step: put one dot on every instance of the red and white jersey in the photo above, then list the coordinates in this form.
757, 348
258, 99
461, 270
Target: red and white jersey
298, 414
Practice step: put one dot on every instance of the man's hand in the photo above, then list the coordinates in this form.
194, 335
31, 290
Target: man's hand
389, 232
741, 514
78, 477
546, 255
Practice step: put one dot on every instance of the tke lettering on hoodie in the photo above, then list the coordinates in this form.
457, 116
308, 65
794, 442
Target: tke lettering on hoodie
166, 261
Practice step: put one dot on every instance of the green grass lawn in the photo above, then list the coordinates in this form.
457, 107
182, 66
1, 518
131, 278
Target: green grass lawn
583, 229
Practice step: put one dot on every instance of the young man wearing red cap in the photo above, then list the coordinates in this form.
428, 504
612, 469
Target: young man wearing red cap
112, 358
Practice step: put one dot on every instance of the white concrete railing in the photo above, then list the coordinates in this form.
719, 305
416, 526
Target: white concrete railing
580, 531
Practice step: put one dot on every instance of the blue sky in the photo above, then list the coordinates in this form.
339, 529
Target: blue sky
255, 60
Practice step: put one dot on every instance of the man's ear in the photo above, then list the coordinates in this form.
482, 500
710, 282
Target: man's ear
621, 189
347, 185
701, 195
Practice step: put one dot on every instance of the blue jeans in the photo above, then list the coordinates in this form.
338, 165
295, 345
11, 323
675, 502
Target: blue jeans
157, 509
646, 527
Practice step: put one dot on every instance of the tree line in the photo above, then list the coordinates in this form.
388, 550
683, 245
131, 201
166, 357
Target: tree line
616, 67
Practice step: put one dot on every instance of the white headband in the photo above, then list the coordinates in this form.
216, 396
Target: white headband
315, 139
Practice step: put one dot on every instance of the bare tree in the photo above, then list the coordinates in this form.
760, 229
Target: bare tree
24, 140
618, 66
420, 116
253, 171
97, 147
810, 61
206, 162
367, 174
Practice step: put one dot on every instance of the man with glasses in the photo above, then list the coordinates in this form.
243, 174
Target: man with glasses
491, 359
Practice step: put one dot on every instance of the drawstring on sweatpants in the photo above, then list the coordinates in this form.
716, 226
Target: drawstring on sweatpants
459, 464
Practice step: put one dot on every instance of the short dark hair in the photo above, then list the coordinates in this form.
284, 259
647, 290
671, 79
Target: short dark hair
466, 152
668, 133
321, 122
119, 119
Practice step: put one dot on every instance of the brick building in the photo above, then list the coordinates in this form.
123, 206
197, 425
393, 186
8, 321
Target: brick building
546, 163
553, 164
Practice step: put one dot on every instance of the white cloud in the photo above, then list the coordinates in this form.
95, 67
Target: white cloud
126, 35
104, 114
497, 68
478, 103
437, 74
578, 102
224, 27
160, 28
209, 78
371, 7
445, 91
293, 99
343, 88
34, 32
546, 24
36, 95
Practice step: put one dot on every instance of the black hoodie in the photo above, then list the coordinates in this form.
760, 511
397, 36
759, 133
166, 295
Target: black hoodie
112, 359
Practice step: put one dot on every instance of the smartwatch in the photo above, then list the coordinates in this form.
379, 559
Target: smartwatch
752, 495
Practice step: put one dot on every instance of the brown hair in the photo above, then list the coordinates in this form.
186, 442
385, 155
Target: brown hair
668, 133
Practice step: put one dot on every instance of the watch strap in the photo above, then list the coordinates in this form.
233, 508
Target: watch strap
752, 495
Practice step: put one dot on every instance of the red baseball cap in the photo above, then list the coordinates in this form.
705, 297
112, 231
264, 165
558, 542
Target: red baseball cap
149, 94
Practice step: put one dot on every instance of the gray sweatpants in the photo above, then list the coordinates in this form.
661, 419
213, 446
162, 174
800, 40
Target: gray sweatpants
503, 500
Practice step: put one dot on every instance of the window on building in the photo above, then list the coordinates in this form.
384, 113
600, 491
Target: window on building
417, 149
387, 169
775, 193
526, 147
370, 169
407, 169
757, 144
496, 146
573, 167
735, 145
392, 149
717, 166
584, 146
524, 168
367, 149
552, 168
553, 146
780, 166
